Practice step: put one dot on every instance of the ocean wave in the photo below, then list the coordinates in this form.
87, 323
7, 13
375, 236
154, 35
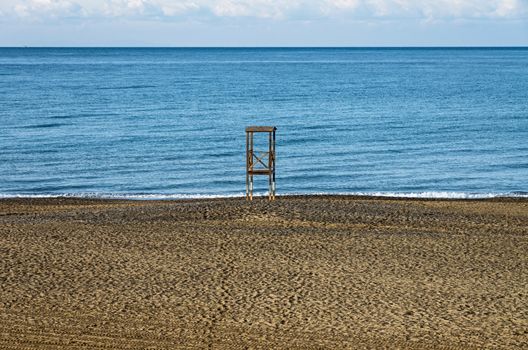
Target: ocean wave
44, 126
94, 195
129, 87
160, 196
438, 195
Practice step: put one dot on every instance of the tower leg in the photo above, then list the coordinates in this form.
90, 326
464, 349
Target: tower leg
247, 186
272, 165
251, 188
273, 187
270, 190
247, 166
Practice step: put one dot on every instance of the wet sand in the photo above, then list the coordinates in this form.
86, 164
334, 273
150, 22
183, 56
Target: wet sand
302, 272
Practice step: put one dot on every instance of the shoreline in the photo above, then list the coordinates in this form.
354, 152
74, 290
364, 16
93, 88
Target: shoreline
305, 272
521, 195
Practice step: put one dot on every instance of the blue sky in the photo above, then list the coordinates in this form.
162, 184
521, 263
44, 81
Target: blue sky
263, 23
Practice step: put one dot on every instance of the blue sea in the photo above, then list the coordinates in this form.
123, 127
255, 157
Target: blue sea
169, 123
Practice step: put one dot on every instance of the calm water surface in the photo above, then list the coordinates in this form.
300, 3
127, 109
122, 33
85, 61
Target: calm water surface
170, 122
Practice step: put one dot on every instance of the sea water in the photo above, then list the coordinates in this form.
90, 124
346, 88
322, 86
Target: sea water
169, 123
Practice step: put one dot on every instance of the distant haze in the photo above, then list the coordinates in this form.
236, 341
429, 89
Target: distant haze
263, 23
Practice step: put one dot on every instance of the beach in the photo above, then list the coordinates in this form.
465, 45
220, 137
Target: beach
307, 272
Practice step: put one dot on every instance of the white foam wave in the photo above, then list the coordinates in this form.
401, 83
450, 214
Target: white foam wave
425, 195
121, 196
437, 195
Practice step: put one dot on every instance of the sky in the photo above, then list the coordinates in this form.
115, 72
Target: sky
263, 23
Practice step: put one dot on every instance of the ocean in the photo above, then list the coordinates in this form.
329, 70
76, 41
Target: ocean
169, 122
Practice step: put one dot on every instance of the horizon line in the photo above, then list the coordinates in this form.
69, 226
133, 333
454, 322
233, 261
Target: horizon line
271, 47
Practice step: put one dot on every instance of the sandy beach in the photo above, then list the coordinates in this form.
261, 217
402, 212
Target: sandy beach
314, 272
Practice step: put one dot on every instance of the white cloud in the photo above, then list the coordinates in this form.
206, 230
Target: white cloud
271, 9
252, 8
230, 8
131, 8
47, 9
178, 8
508, 7
436, 9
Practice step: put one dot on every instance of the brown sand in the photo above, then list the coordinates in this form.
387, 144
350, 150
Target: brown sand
302, 272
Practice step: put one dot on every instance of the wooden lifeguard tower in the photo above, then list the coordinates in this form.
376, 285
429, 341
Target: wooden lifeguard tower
260, 162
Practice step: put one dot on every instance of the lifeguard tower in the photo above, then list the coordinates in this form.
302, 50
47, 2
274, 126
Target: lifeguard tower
260, 162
